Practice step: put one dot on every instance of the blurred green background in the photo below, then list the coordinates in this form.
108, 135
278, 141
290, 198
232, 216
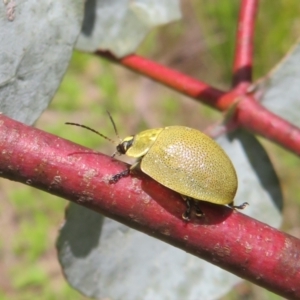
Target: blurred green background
202, 46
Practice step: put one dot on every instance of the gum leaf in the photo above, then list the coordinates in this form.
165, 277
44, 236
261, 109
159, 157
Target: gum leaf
120, 26
37, 39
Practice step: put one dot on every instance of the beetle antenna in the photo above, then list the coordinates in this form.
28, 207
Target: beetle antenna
91, 129
114, 125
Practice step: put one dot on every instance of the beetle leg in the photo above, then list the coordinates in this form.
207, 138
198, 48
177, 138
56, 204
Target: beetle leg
187, 213
199, 212
242, 206
115, 178
189, 203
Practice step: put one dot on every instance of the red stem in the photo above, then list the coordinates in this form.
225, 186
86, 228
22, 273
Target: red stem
249, 113
252, 115
242, 67
226, 238
171, 78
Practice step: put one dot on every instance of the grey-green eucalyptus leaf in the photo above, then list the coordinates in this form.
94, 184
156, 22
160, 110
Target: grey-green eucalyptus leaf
120, 26
37, 40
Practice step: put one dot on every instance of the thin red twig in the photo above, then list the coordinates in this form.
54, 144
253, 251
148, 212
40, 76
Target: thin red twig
242, 67
169, 77
229, 239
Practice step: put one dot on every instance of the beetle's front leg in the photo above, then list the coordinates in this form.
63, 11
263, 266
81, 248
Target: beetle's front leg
115, 178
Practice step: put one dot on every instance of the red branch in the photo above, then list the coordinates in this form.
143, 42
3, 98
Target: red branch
255, 117
169, 77
226, 238
242, 67
249, 113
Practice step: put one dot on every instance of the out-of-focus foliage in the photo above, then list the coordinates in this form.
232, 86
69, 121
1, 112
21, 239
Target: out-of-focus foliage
197, 47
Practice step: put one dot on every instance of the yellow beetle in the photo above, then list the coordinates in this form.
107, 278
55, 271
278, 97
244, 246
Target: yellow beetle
184, 160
